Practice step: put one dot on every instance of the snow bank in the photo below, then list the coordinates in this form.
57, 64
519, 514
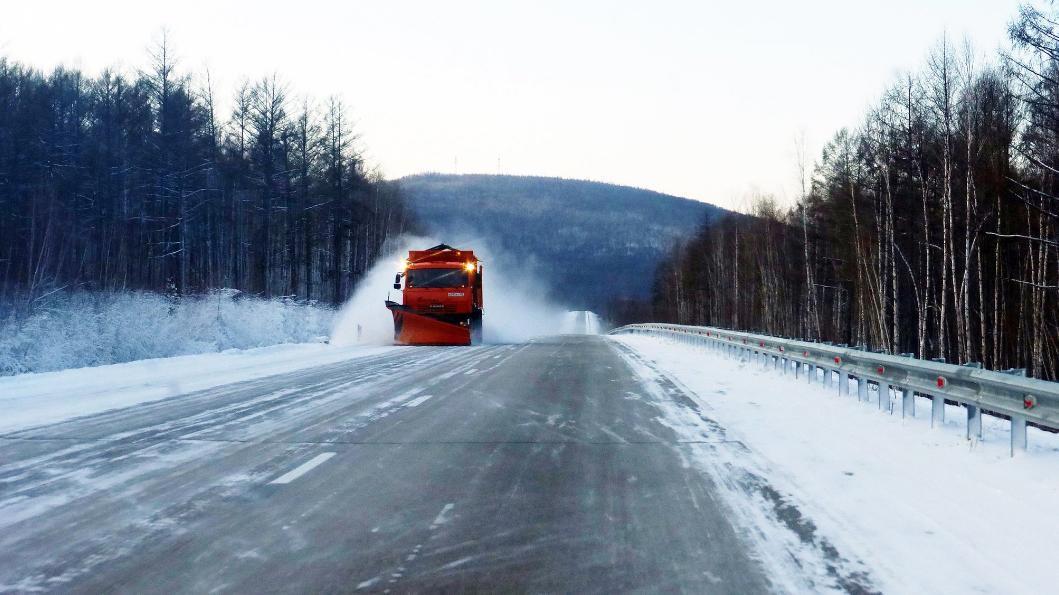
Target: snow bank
35, 399
93, 329
927, 510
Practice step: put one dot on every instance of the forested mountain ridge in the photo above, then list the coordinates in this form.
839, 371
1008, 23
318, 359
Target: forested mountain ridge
135, 181
590, 242
931, 228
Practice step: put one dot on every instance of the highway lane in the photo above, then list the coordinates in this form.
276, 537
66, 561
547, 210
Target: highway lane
537, 468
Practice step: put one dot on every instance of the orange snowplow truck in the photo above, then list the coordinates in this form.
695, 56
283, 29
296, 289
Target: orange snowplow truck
442, 298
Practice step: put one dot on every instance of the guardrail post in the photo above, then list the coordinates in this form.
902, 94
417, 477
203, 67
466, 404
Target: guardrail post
862, 388
843, 388
1018, 434
974, 421
884, 394
937, 410
827, 377
797, 369
809, 376
908, 403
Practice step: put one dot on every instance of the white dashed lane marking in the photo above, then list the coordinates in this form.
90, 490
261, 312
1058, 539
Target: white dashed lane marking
418, 401
303, 468
443, 516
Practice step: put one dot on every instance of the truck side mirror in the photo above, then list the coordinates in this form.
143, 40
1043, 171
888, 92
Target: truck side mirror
397, 281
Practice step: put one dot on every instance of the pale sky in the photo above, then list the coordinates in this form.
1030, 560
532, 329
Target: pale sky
698, 99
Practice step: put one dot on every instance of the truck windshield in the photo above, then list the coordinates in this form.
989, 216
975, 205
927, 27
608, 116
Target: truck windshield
425, 278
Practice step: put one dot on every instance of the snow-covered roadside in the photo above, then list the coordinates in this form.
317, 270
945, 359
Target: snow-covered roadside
35, 399
927, 511
80, 329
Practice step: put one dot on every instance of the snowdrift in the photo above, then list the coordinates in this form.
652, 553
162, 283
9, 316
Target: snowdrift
92, 329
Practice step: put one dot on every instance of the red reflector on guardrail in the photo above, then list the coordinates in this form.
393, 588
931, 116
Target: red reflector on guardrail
805, 354
838, 360
1029, 402
881, 370
942, 382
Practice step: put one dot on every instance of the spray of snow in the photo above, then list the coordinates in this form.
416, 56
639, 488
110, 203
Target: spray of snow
364, 317
581, 322
516, 305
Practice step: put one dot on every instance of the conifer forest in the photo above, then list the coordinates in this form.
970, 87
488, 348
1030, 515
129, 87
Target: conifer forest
141, 181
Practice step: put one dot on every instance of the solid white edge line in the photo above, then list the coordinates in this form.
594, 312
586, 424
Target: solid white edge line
303, 468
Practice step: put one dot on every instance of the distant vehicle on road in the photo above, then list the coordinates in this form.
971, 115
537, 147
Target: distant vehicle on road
442, 298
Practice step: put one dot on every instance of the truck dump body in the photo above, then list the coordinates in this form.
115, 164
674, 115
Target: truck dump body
442, 299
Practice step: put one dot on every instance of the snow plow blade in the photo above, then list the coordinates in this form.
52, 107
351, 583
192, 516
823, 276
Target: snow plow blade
412, 328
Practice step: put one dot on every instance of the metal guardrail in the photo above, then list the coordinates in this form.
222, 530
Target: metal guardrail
1003, 394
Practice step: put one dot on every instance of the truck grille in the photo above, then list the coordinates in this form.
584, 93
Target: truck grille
440, 309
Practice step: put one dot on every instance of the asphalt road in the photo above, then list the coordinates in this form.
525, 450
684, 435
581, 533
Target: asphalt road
534, 468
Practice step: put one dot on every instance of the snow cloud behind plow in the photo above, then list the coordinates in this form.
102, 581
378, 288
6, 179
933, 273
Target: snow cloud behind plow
517, 306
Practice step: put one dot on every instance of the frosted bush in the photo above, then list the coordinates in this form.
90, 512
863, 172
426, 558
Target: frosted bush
92, 329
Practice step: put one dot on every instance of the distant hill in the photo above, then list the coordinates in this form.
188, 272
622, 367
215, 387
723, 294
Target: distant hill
590, 241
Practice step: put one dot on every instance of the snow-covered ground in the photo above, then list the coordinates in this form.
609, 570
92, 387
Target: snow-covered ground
35, 399
926, 510
74, 330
